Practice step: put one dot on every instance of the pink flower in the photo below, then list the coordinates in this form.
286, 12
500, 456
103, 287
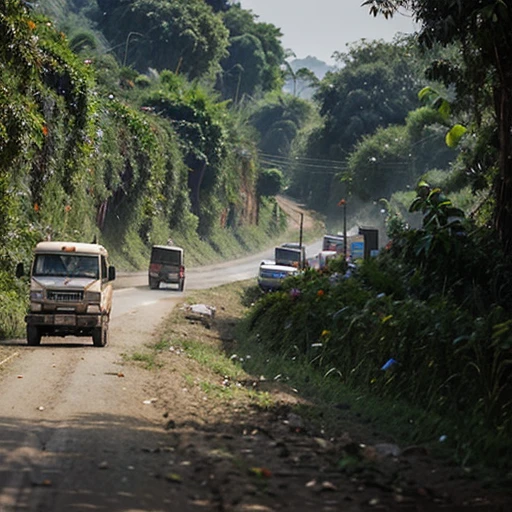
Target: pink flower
295, 293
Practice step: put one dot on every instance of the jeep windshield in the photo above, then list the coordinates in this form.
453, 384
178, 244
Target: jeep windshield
66, 265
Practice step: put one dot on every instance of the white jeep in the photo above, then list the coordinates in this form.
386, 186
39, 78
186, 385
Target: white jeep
70, 291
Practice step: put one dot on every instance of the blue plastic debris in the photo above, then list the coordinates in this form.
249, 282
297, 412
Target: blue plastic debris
389, 363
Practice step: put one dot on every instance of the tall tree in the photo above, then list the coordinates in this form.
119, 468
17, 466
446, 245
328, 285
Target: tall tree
482, 28
247, 36
165, 34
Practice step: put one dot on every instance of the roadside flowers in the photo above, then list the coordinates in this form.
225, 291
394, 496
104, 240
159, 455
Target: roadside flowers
320, 293
295, 293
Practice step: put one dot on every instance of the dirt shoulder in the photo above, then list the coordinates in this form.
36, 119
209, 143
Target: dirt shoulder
246, 442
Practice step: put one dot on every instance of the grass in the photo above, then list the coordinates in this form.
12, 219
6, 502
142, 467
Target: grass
217, 370
226, 350
147, 359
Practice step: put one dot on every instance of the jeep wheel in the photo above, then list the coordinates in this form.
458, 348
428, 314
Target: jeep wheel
33, 335
154, 283
100, 335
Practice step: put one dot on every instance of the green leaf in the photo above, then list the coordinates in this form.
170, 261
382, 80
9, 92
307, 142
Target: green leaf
416, 205
454, 136
426, 93
444, 109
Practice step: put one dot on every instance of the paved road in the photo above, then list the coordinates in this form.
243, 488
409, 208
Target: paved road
132, 290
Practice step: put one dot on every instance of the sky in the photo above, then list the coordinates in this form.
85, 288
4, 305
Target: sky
321, 27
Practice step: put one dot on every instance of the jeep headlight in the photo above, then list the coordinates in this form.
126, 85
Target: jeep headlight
36, 295
93, 309
93, 297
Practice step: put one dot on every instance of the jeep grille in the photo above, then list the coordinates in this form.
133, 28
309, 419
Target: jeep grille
58, 296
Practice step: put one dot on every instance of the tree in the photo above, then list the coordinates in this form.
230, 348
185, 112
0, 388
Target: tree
278, 119
218, 5
482, 28
376, 87
165, 34
393, 158
303, 77
243, 67
246, 36
270, 182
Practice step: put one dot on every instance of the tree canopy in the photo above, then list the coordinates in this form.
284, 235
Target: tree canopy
255, 54
482, 29
165, 34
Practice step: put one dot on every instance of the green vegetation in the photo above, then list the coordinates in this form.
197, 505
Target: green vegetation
134, 128
434, 306
91, 149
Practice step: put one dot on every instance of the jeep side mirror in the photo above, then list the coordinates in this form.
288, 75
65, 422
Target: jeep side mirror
20, 271
111, 273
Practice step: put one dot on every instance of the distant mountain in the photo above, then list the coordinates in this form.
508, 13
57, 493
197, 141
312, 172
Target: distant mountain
319, 67
301, 88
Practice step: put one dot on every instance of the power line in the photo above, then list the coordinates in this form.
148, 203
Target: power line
290, 162
297, 158
285, 165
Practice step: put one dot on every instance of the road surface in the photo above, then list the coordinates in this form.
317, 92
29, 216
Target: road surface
74, 426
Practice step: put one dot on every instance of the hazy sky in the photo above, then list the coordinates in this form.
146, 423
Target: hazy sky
321, 27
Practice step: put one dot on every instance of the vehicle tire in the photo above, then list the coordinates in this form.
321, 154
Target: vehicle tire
100, 335
33, 335
154, 283
181, 285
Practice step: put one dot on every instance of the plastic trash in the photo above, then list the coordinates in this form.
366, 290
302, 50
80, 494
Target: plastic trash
203, 309
389, 364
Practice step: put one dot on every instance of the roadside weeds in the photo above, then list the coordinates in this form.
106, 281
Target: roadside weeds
258, 439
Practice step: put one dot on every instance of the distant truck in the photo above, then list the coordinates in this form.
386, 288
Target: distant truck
362, 245
333, 243
166, 265
288, 256
70, 291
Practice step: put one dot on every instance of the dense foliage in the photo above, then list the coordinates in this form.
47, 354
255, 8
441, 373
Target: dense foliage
254, 57
91, 149
484, 82
376, 87
165, 34
434, 306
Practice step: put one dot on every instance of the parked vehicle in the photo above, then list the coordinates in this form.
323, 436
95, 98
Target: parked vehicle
166, 265
288, 256
70, 291
302, 248
333, 243
271, 277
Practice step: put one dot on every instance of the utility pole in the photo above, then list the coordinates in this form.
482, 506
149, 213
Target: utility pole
343, 204
300, 239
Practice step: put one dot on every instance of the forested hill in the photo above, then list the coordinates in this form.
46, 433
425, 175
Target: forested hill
107, 133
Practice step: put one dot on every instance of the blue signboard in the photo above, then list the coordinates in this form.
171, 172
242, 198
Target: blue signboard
357, 250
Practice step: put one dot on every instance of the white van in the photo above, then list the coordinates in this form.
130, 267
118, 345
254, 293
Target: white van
271, 277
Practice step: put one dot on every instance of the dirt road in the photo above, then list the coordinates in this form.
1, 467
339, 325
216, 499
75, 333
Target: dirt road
79, 429
82, 428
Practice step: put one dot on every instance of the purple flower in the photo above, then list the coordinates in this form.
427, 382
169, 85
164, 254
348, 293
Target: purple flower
294, 293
